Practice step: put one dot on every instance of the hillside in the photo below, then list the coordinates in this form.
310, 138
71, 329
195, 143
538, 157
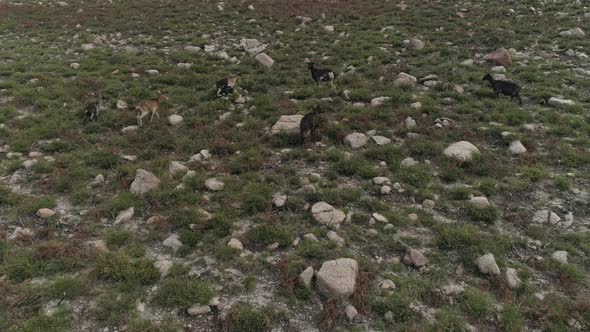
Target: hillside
424, 202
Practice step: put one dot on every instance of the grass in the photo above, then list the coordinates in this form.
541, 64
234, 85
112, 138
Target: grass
183, 292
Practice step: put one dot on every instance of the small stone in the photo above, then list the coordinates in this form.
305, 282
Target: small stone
326, 214
265, 60
500, 57
409, 122
416, 106
214, 184
199, 310
516, 148
279, 200
381, 140
74, 65
428, 204
453, 290
152, 72
487, 264
408, 162
124, 215
98, 245
376, 102
544, 216
122, 105
144, 182
329, 28
380, 217
480, 202
575, 33
175, 119
350, 312
415, 258
381, 180
557, 102
405, 79
387, 284
560, 256
175, 168
306, 276
461, 151
192, 49
413, 217
512, 278
385, 190
356, 140
173, 242
235, 244
45, 213
333, 236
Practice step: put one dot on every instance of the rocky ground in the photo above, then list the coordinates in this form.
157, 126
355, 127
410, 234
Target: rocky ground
424, 204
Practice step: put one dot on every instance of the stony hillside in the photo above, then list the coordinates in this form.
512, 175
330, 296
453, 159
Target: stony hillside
423, 203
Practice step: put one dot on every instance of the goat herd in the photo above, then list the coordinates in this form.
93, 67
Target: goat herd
308, 124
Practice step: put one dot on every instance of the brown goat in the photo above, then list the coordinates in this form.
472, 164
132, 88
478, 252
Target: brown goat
146, 107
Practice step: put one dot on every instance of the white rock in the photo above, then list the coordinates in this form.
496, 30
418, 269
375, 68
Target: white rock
428, 204
175, 168
560, 256
415, 258
516, 148
199, 310
279, 200
381, 140
144, 182
326, 214
210, 48
45, 213
480, 202
329, 28
487, 264
173, 242
544, 216
287, 124
557, 102
163, 265
124, 215
350, 312
19, 231
265, 60
410, 123
462, 151
184, 65
337, 278
376, 102
575, 33
175, 119
236, 244
498, 69
214, 184
416, 106
408, 162
74, 65
405, 79
356, 140
387, 284
379, 217
381, 180
129, 129
28, 164
512, 278
87, 47
192, 49
453, 290
152, 72
333, 236
468, 62
122, 105
306, 276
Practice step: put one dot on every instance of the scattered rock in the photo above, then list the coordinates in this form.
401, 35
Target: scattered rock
453, 290
287, 124
326, 214
214, 184
337, 278
381, 140
124, 215
329, 28
98, 245
175, 168
480, 202
415, 258
499, 57
74, 65
544, 216
45, 213
557, 102
376, 102
175, 119
387, 284
575, 33
144, 182
163, 265
462, 151
487, 264
379, 217
516, 148
199, 310
428, 204
306, 276
192, 49
415, 44
512, 278
560, 256
173, 242
405, 79
408, 162
279, 200
122, 105
409, 122
265, 60
236, 244
350, 313
333, 236
356, 140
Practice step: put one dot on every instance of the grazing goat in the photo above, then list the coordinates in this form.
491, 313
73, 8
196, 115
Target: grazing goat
93, 109
506, 88
309, 124
149, 106
226, 86
322, 75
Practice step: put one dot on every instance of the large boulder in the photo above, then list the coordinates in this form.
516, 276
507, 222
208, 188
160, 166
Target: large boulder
500, 57
287, 124
337, 278
462, 151
326, 214
144, 182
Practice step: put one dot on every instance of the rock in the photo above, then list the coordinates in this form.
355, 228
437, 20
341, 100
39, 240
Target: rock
379, 217
376, 102
405, 79
487, 264
175, 168
279, 200
387, 284
560, 256
28, 164
21, 232
265, 60
184, 65
575, 33
163, 265
415, 44
74, 65
252, 46
385, 190
356, 140
462, 151
409, 122
408, 162
516, 148
124, 215
413, 217
192, 49
333, 236
326, 214
122, 105
199, 310
214, 184
310, 237
416, 106
381, 180
479, 202
557, 102
452, 290
175, 119
415, 258
544, 216
45, 213
129, 129
350, 313
152, 72
144, 182
329, 28
173, 242
287, 124
381, 140
337, 278
87, 47
512, 278
428, 204
210, 48
500, 57
306, 276
98, 245
235, 244
468, 62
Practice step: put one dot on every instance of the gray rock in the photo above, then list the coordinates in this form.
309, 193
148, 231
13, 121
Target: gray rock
199, 310
175, 119
350, 313
516, 148
557, 102
381, 180
337, 278
124, 215
512, 278
214, 184
235, 244
544, 216
306, 276
462, 151
575, 33
192, 49
287, 124
279, 200
428, 204
326, 214
405, 79
376, 102
356, 140
381, 140
560, 256
409, 122
144, 182
487, 264
175, 168
173, 242
265, 60
333, 236
408, 162
45, 213
480, 202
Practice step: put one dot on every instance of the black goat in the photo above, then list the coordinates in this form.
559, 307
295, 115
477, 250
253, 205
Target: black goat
322, 75
92, 110
506, 88
226, 86
309, 124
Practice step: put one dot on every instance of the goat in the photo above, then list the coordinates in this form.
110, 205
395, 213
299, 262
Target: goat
226, 86
322, 75
506, 88
309, 124
149, 106
93, 109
